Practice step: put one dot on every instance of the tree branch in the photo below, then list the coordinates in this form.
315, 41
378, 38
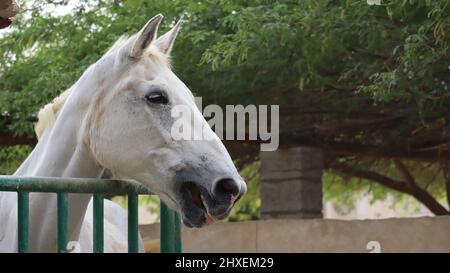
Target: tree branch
371, 175
447, 188
446, 175
420, 194
409, 180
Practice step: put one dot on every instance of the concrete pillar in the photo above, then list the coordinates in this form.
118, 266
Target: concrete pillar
291, 183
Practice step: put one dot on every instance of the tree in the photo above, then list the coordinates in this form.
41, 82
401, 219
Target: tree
368, 84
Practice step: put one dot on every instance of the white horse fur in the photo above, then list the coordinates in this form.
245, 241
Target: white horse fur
117, 117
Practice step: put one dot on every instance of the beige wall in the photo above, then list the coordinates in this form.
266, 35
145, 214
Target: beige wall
426, 234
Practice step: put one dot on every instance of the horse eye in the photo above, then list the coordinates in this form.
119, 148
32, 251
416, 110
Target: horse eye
157, 98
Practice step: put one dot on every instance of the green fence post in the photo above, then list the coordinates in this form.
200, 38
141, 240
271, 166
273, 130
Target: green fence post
167, 227
23, 220
98, 223
63, 222
133, 221
177, 231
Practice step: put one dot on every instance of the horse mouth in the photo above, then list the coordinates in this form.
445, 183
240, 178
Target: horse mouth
194, 206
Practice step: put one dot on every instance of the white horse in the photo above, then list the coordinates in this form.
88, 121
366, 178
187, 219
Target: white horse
117, 117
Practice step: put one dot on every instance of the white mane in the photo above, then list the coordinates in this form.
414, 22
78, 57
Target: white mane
48, 114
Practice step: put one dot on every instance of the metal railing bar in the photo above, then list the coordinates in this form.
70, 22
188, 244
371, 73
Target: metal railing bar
62, 222
133, 223
177, 233
23, 220
72, 185
98, 223
166, 229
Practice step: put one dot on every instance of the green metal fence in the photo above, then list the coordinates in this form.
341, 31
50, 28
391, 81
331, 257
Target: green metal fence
170, 222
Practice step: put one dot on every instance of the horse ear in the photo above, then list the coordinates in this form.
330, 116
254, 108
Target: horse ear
145, 36
166, 41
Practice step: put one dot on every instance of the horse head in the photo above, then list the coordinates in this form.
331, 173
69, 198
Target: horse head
130, 130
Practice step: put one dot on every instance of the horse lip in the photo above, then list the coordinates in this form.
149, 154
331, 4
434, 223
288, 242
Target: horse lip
207, 219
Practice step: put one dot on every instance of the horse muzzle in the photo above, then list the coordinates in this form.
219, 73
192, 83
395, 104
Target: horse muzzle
201, 204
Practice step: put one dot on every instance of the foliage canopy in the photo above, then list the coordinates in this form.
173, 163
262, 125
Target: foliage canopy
369, 84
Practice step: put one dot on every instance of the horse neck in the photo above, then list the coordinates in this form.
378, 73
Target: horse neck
60, 153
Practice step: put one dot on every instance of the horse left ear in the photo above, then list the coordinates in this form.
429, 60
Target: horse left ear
166, 41
145, 36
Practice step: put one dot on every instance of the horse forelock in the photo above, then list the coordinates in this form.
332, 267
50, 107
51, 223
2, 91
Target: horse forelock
48, 114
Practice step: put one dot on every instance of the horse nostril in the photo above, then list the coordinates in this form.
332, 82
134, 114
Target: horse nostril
226, 186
